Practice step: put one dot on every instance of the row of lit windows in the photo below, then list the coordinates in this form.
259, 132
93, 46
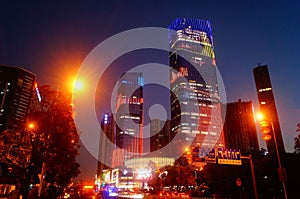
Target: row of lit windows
264, 89
189, 39
196, 84
189, 30
197, 132
129, 117
187, 124
194, 114
127, 133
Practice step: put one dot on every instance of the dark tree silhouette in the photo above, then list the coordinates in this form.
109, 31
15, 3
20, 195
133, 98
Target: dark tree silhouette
48, 148
297, 144
58, 139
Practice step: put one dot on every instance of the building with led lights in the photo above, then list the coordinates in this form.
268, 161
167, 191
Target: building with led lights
239, 127
16, 85
129, 113
195, 100
107, 136
267, 105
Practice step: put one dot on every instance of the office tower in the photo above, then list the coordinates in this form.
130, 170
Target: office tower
107, 136
267, 106
239, 127
195, 100
160, 134
129, 113
16, 85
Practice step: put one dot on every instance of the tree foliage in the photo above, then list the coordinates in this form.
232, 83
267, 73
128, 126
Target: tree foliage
58, 137
297, 145
170, 176
49, 147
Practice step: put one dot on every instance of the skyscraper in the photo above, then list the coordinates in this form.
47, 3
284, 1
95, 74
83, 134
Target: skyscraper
16, 85
239, 127
195, 100
108, 129
160, 134
267, 105
129, 113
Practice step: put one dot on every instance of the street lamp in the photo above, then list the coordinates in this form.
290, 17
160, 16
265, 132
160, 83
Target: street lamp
265, 128
31, 126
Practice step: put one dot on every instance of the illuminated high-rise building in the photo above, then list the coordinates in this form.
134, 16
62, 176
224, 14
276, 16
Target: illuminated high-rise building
106, 137
160, 134
195, 100
129, 113
239, 127
16, 85
267, 106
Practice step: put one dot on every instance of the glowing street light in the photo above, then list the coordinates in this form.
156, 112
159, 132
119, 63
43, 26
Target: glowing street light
266, 128
78, 85
31, 125
259, 116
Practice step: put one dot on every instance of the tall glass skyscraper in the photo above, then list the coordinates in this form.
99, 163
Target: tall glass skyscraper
195, 100
129, 112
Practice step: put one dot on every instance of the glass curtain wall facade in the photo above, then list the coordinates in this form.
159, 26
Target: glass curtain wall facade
129, 113
195, 100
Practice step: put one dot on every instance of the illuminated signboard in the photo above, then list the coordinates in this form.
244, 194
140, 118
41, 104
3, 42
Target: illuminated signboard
224, 156
211, 157
197, 155
228, 156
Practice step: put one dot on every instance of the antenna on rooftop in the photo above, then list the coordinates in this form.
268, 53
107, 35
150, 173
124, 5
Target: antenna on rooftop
259, 64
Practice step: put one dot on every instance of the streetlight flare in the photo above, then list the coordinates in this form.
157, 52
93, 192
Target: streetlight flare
31, 125
260, 116
78, 85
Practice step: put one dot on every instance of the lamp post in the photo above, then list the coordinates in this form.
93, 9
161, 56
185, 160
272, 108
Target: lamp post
32, 126
252, 174
280, 168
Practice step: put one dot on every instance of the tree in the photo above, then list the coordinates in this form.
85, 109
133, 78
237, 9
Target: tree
47, 148
58, 138
297, 144
170, 176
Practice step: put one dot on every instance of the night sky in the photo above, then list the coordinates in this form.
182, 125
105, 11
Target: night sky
52, 39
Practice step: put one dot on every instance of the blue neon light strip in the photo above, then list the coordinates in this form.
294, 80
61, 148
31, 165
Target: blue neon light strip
195, 24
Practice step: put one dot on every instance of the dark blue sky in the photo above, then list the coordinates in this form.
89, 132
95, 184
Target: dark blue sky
51, 39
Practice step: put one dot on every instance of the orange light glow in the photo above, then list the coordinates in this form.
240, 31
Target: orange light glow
31, 125
88, 187
264, 124
266, 137
265, 130
260, 116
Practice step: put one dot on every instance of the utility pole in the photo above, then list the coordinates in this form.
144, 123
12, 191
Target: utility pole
252, 174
